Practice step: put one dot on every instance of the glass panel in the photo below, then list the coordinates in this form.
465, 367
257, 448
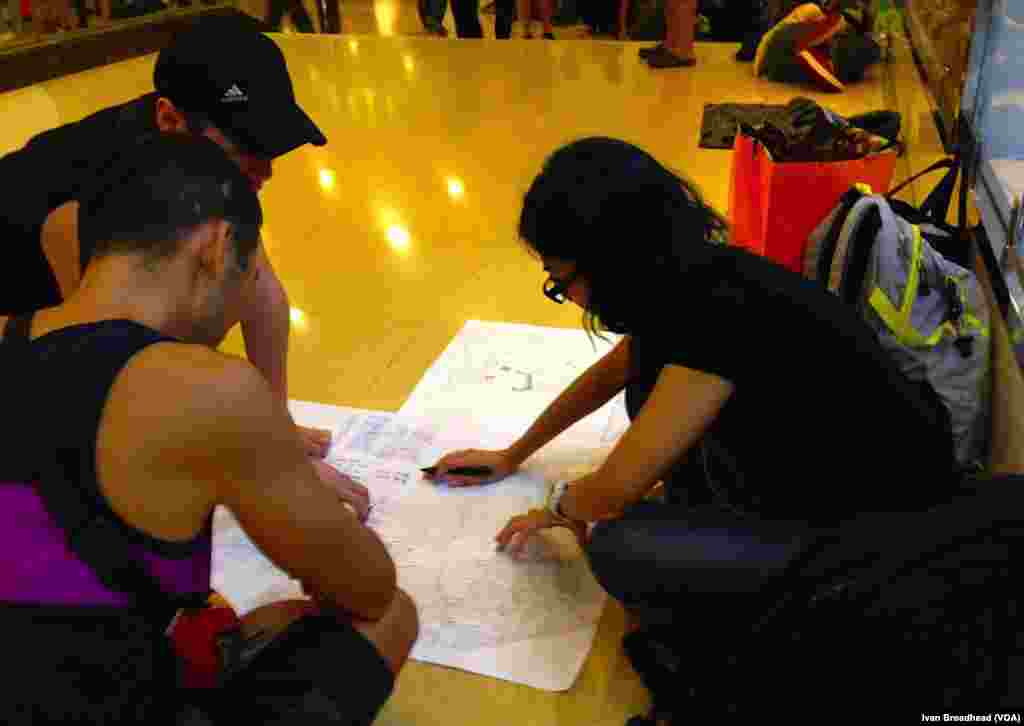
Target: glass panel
993, 112
941, 33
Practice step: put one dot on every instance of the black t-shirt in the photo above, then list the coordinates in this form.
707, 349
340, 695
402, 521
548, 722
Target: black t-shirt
53, 168
821, 422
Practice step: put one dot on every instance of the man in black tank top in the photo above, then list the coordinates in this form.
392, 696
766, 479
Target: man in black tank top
224, 80
157, 429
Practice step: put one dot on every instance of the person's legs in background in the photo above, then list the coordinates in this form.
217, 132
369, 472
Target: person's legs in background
467, 18
62, 15
330, 16
547, 11
504, 17
524, 16
300, 18
680, 27
275, 14
622, 26
43, 16
432, 14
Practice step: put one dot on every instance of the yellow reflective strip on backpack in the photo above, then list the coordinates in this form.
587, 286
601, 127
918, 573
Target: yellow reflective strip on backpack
976, 323
913, 277
900, 324
887, 312
898, 320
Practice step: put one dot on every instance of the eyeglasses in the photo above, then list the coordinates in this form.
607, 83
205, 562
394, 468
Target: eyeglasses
555, 290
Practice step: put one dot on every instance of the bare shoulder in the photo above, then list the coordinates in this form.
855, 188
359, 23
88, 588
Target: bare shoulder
176, 418
187, 391
195, 364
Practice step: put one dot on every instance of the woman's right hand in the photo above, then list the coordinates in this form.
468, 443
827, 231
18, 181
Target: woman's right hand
500, 463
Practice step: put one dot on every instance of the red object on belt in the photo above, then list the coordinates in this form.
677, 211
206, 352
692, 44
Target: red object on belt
195, 635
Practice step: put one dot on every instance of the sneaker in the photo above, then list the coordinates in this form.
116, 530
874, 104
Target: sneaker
663, 58
653, 50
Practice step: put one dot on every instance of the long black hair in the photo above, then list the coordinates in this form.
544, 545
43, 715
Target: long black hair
635, 230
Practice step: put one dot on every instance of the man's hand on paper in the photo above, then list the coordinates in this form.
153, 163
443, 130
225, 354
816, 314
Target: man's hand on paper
499, 463
513, 538
352, 492
317, 442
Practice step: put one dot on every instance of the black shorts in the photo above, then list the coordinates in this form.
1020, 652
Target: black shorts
319, 671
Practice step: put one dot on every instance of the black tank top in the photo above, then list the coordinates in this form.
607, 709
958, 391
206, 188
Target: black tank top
51, 456
85, 598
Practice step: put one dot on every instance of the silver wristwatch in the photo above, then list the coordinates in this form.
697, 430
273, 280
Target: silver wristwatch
555, 494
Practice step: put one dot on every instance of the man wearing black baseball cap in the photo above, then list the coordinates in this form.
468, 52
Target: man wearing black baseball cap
239, 82
223, 79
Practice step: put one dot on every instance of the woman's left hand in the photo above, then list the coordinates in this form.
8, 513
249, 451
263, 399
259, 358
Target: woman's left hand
517, 532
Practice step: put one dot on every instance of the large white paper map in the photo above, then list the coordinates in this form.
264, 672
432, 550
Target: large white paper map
530, 620
507, 373
495, 379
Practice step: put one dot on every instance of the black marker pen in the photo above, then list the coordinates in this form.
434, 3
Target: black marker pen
461, 470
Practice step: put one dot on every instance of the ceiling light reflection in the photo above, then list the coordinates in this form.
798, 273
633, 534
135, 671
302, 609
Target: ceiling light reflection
328, 179
455, 188
395, 229
300, 323
398, 238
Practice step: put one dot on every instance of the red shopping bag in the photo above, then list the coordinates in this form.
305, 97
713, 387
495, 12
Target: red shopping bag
774, 207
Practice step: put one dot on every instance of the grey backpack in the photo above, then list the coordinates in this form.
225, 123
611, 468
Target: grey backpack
928, 311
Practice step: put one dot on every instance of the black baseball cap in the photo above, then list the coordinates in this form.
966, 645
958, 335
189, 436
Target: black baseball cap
234, 75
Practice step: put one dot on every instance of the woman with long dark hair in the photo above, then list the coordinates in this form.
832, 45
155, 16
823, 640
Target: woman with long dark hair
764, 404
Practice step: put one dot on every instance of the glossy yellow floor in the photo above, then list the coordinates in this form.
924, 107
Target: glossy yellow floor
403, 227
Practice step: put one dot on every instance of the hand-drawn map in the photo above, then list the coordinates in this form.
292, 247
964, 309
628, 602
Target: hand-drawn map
530, 619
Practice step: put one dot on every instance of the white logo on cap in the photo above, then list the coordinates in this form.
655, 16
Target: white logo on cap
234, 94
